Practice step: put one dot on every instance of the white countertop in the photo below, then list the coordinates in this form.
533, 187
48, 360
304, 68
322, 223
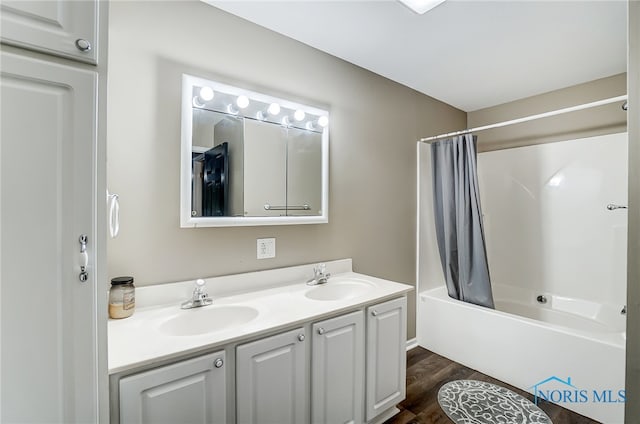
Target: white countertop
138, 340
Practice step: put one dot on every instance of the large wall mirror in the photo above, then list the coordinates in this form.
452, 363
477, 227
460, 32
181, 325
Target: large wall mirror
250, 159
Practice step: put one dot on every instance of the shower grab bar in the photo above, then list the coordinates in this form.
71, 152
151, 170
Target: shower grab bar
269, 207
613, 206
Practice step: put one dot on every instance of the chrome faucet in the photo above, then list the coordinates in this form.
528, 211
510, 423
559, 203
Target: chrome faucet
199, 297
320, 275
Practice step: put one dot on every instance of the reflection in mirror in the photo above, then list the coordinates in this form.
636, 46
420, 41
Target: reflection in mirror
250, 159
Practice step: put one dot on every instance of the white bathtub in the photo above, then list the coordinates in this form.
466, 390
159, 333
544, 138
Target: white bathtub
524, 343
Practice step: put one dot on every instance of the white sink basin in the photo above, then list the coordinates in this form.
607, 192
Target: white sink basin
207, 319
339, 290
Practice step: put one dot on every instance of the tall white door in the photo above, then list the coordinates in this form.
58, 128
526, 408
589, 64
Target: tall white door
271, 380
386, 355
337, 370
59, 27
48, 364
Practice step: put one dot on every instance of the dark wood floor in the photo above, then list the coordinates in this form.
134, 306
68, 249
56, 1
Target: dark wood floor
427, 372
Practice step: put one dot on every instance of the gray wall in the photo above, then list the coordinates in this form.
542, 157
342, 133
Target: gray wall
373, 131
587, 123
632, 407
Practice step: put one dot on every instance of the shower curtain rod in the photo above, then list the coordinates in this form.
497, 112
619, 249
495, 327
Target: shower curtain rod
527, 118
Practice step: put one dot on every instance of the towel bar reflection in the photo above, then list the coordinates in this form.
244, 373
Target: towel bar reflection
613, 206
268, 207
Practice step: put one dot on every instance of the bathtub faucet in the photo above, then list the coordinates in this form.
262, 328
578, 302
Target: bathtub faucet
542, 299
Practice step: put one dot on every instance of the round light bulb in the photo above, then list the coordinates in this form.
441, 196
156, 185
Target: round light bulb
232, 110
286, 122
299, 115
274, 109
242, 101
206, 93
323, 121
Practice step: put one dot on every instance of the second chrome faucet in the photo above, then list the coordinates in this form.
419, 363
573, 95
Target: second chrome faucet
320, 275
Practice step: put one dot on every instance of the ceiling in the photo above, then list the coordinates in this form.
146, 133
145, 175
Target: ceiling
470, 54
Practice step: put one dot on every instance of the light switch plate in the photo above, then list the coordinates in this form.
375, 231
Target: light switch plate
266, 248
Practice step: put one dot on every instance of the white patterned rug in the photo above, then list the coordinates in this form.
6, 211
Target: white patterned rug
477, 402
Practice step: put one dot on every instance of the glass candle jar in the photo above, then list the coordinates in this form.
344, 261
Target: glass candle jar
122, 297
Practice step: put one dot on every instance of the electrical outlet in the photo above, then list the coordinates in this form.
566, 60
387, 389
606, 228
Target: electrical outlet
266, 248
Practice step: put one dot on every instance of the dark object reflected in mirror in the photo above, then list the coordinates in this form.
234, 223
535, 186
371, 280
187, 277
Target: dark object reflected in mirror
210, 182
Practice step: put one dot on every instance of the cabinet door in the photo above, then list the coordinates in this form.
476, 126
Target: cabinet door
265, 168
386, 355
52, 26
49, 360
337, 370
192, 391
304, 172
271, 380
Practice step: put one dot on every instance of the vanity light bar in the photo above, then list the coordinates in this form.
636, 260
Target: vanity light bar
235, 101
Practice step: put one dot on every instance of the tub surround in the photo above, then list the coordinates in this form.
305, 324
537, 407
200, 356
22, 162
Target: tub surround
278, 296
549, 234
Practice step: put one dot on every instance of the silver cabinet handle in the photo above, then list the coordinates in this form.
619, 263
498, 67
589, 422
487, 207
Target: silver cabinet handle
301, 337
613, 206
374, 313
84, 258
321, 331
218, 363
83, 45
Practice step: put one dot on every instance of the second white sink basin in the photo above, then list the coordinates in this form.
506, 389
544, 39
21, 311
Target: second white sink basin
207, 319
338, 290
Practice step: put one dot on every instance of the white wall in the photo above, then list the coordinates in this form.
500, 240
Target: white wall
546, 222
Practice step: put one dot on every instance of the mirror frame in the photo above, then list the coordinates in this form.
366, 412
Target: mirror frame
188, 221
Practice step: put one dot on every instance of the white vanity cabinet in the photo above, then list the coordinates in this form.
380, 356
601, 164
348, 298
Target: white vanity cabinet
59, 27
337, 370
192, 391
386, 356
272, 379
346, 366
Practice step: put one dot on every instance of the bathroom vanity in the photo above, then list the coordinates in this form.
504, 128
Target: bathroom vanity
270, 349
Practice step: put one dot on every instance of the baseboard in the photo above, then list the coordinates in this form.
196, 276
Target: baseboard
411, 343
